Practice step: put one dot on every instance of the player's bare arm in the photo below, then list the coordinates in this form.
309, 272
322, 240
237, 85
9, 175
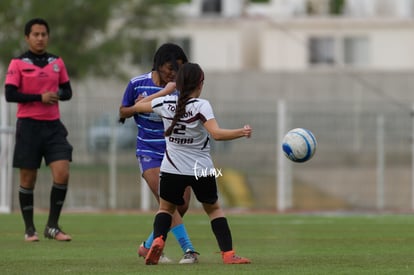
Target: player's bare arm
126, 112
168, 89
218, 133
143, 105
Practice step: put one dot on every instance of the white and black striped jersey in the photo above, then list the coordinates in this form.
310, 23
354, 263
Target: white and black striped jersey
188, 147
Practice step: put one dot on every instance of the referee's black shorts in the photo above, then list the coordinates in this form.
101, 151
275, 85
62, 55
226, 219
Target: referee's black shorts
172, 187
37, 139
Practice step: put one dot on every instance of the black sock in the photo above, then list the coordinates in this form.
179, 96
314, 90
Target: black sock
162, 224
222, 232
26, 206
57, 198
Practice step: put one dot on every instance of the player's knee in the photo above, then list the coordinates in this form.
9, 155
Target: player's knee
62, 177
212, 209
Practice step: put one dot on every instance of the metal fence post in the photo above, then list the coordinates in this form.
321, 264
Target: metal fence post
380, 162
281, 160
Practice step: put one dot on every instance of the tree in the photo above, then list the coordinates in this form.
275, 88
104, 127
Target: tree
336, 7
93, 37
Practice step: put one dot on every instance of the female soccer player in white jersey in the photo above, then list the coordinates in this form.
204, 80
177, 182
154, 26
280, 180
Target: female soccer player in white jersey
189, 121
150, 145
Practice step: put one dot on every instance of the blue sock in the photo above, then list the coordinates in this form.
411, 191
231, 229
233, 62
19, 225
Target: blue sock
150, 239
181, 235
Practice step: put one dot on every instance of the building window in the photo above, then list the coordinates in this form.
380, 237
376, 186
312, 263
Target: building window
334, 51
321, 50
211, 7
356, 51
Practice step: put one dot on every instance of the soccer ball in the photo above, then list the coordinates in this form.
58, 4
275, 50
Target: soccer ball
299, 145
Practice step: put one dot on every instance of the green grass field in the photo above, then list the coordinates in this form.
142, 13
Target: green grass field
276, 244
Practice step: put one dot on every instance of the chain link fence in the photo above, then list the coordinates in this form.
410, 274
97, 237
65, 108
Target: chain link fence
347, 112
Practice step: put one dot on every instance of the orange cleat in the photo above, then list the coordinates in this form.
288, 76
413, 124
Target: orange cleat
155, 251
143, 251
230, 257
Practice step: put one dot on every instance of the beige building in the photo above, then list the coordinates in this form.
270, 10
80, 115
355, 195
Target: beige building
274, 35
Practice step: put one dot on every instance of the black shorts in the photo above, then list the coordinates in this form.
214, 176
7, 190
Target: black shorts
172, 188
37, 139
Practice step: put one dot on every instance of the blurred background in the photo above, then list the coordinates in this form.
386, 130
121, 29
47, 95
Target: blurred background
340, 68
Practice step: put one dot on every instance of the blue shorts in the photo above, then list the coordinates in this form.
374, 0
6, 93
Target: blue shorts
147, 162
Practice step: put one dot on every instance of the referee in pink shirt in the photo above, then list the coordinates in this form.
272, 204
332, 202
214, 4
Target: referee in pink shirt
37, 81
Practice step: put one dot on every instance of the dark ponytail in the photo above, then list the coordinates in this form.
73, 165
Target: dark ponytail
188, 78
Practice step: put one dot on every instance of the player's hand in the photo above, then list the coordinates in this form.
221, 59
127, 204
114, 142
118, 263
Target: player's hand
139, 98
50, 98
247, 131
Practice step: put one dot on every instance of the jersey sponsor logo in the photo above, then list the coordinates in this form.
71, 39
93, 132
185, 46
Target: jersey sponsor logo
181, 140
43, 74
172, 107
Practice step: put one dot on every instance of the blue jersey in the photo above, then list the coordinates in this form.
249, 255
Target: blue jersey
150, 138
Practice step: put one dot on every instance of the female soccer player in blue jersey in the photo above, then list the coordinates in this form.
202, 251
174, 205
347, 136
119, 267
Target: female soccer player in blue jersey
189, 122
150, 140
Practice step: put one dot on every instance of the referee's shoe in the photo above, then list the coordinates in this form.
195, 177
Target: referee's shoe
57, 234
31, 235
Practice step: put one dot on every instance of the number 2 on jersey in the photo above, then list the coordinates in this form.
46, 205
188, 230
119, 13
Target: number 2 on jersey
179, 129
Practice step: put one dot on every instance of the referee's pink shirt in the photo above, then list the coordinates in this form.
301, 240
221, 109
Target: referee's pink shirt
32, 79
